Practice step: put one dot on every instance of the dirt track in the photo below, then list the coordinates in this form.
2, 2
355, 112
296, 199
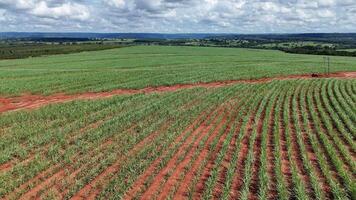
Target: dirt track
28, 101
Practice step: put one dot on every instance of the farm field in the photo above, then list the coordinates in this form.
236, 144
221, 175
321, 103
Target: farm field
143, 66
156, 122
281, 139
350, 50
25, 50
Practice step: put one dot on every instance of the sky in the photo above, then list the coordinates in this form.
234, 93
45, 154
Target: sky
178, 16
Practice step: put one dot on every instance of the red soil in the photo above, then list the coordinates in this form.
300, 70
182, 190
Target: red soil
29, 101
137, 186
311, 154
70, 177
5, 166
240, 170
350, 74
40, 183
254, 185
347, 164
34, 191
38, 179
91, 190
186, 181
160, 177
199, 130
199, 187
272, 193
285, 162
175, 177
10, 164
296, 151
226, 163
314, 108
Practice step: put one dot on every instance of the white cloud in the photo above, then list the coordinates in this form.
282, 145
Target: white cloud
50, 9
238, 16
2, 15
19, 4
115, 3
326, 3
66, 10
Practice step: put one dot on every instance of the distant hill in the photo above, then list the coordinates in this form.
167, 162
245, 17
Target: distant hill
317, 37
337, 37
31, 35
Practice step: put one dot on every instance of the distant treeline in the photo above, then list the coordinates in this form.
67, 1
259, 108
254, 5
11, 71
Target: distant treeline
315, 50
339, 38
38, 44
19, 50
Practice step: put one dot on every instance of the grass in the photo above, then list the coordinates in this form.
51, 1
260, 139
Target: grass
142, 66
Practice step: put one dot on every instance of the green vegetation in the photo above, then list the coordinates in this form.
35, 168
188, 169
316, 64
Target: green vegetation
282, 139
142, 66
285, 139
296, 44
317, 50
30, 49
349, 50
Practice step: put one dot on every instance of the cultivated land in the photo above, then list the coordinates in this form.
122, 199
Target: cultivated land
284, 137
141, 66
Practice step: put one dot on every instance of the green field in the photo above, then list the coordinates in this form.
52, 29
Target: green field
30, 49
278, 139
281, 139
296, 44
349, 50
142, 66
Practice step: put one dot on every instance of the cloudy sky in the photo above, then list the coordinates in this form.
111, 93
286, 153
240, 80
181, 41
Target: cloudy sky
179, 16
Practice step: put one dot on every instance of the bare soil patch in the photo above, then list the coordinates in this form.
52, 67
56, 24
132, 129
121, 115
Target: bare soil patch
29, 101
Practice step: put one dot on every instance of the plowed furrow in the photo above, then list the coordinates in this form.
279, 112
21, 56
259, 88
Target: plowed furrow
254, 185
5, 167
350, 92
33, 193
331, 108
71, 171
331, 137
302, 107
285, 162
93, 188
338, 105
226, 164
176, 176
160, 178
237, 182
321, 145
296, 152
199, 187
349, 101
343, 101
71, 135
272, 187
200, 122
190, 177
38, 179
105, 176
339, 142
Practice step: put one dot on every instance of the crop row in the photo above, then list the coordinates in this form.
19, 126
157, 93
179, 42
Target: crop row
283, 139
